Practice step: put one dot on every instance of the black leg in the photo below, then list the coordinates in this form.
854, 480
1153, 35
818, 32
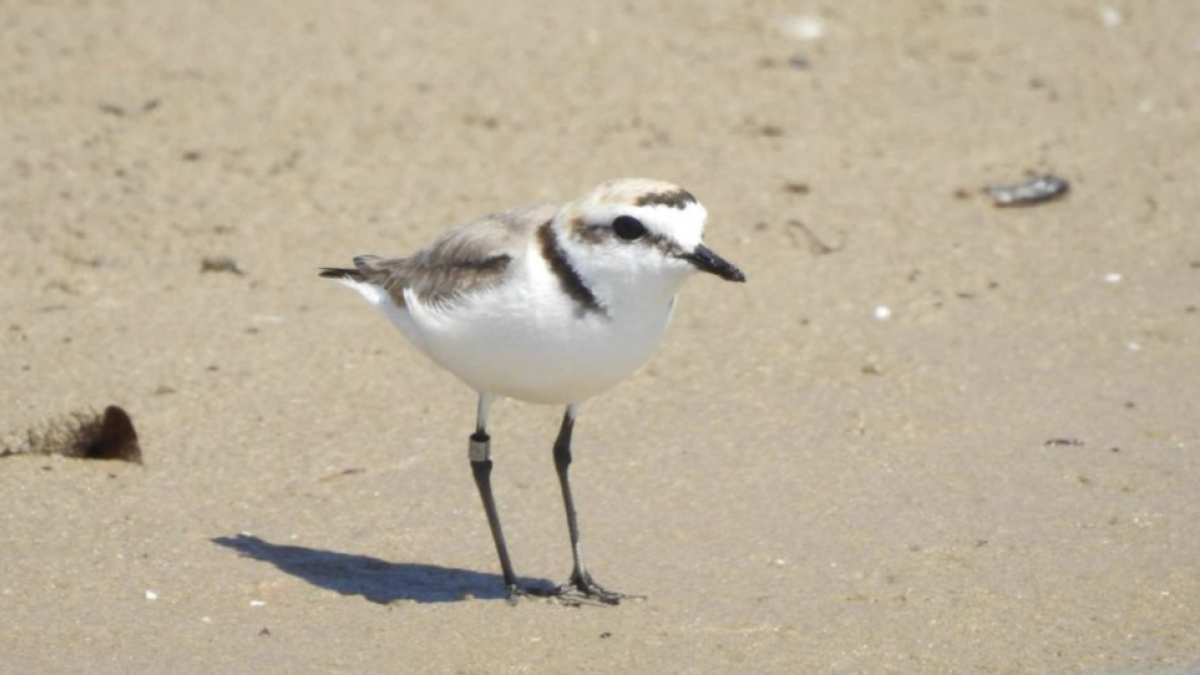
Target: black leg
480, 452
581, 581
482, 469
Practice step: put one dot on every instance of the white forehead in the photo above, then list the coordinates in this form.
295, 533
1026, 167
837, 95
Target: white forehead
665, 208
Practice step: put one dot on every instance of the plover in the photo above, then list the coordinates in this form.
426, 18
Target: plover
549, 304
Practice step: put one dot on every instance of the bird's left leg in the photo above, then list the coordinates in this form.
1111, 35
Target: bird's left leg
581, 581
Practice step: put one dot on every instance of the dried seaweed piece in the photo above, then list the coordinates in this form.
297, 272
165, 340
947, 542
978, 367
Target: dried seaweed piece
117, 438
221, 263
1039, 189
84, 434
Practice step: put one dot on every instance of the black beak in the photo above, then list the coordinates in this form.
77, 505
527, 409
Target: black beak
706, 261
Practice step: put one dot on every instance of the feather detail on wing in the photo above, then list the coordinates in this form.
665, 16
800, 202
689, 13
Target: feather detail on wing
463, 261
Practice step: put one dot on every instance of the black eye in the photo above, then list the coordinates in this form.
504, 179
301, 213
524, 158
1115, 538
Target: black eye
629, 228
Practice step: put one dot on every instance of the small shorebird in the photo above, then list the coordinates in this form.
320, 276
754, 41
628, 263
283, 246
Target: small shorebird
548, 304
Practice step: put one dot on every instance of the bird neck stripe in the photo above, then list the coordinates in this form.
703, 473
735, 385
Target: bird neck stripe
568, 278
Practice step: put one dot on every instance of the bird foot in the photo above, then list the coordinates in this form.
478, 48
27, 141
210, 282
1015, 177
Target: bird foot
581, 588
517, 592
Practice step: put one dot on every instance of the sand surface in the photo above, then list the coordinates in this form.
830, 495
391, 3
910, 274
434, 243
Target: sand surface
797, 484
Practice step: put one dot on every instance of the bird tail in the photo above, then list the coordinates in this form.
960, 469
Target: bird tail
364, 268
367, 277
342, 274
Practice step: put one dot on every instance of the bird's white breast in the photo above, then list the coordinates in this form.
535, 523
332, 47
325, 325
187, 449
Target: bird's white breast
528, 340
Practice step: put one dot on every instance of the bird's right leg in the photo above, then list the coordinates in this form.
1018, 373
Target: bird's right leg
480, 452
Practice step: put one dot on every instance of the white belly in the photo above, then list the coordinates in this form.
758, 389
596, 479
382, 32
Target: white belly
527, 341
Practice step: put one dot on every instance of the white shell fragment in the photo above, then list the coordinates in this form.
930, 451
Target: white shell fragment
1042, 188
804, 27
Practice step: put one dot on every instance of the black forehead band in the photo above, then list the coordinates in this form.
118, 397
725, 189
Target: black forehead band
676, 199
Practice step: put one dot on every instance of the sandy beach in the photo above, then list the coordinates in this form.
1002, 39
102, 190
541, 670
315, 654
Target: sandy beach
929, 435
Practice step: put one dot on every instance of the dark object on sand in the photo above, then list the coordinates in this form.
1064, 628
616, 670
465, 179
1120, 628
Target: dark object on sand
799, 62
1043, 188
81, 434
1064, 441
221, 263
815, 244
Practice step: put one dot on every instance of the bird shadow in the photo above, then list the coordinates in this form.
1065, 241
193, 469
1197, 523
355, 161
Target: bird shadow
376, 580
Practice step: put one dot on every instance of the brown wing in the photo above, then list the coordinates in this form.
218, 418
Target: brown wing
465, 260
